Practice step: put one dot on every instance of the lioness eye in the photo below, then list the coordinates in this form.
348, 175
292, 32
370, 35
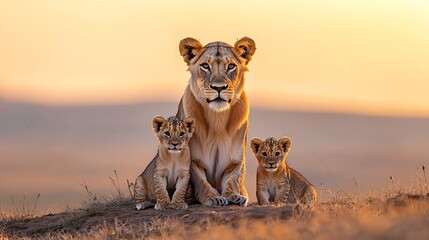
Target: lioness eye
205, 66
264, 154
277, 154
181, 134
167, 134
231, 66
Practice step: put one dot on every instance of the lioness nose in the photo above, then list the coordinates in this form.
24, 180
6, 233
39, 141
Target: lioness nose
219, 89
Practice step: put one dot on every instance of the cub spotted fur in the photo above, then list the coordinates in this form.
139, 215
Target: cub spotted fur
165, 181
276, 182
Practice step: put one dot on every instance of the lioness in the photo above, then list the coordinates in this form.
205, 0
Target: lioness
215, 98
276, 182
167, 175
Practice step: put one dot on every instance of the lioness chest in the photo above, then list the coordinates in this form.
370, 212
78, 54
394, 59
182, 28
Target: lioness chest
218, 152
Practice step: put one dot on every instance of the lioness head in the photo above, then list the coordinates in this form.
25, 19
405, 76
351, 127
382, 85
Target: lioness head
271, 153
217, 70
173, 133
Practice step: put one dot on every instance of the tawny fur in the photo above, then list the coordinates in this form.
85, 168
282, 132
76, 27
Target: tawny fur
276, 182
215, 97
165, 181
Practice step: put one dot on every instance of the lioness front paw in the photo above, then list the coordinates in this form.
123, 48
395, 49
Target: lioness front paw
179, 206
216, 201
238, 199
161, 206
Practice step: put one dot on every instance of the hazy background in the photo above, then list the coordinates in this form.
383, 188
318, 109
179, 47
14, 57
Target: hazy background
81, 80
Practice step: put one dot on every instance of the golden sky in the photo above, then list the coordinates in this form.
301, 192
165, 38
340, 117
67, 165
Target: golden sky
336, 55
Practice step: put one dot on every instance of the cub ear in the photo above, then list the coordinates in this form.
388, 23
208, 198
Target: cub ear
189, 48
189, 123
256, 144
284, 144
158, 122
245, 48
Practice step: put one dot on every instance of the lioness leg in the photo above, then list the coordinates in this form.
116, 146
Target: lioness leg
231, 188
203, 191
243, 191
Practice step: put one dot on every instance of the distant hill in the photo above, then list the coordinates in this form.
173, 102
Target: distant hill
52, 150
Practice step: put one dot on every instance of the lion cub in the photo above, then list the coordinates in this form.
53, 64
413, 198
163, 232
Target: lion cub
165, 181
276, 181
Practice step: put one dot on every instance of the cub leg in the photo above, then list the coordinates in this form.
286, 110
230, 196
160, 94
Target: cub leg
178, 199
141, 200
162, 198
262, 195
282, 194
310, 196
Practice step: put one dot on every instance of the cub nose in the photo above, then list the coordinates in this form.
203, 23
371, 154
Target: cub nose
218, 88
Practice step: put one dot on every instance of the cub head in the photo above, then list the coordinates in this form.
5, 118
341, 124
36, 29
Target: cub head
217, 70
271, 153
173, 133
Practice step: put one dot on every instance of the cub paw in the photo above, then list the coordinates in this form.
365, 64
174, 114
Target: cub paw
238, 199
161, 206
143, 205
216, 201
280, 204
179, 206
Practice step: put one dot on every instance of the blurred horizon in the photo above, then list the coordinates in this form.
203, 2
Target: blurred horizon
340, 56
54, 150
89, 104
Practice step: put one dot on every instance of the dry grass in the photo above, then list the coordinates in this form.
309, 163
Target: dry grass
398, 212
23, 208
339, 219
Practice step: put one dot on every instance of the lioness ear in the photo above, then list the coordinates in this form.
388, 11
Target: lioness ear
190, 124
255, 144
188, 48
245, 48
284, 144
158, 122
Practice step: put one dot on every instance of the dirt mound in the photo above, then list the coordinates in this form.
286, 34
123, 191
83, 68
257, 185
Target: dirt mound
96, 216
404, 216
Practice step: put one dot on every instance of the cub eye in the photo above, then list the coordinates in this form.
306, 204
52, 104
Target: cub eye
231, 66
277, 154
181, 134
205, 67
167, 134
264, 154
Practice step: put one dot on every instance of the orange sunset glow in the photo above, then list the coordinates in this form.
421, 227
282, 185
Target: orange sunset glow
342, 84
348, 56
